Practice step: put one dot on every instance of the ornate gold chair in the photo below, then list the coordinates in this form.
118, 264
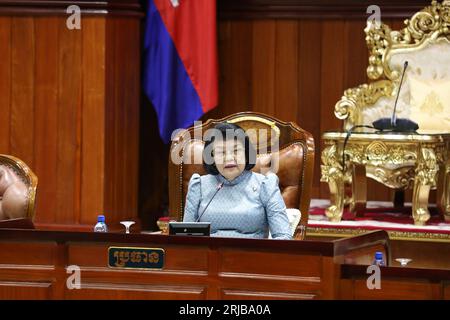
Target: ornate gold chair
399, 161
286, 149
17, 189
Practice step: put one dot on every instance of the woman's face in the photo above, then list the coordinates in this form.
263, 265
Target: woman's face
229, 157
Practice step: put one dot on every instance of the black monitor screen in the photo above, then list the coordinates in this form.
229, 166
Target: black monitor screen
189, 228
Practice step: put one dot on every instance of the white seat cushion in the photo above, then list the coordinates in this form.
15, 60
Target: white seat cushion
294, 216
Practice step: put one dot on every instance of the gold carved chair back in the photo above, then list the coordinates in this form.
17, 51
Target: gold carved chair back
425, 94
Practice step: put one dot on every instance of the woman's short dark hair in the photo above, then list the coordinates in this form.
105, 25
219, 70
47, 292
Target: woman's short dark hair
224, 130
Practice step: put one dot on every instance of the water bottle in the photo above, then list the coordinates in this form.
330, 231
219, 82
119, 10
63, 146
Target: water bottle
101, 226
379, 261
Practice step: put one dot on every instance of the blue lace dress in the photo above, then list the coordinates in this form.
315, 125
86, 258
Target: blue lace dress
247, 207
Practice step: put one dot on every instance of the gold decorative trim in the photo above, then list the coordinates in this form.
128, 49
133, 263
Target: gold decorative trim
271, 124
432, 138
161, 250
425, 26
349, 107
393, 235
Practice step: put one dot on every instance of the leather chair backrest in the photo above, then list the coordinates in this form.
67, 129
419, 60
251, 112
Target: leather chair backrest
292, 161
17, 189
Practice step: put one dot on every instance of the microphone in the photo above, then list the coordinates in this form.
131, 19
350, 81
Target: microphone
394, 124
201, 214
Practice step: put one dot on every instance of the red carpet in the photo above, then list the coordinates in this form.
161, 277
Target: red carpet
397, 222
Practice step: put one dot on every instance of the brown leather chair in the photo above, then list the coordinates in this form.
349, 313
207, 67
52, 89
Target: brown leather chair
295, 166
17, 189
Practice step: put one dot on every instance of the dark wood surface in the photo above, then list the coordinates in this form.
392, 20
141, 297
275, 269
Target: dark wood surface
395, 283
326, 248
20, 223
33, 266
434, 275
314, 9
425, 277
130, 8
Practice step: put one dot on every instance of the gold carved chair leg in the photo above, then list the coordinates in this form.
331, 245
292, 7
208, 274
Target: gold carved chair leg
426, 173
447, 192
359, 189
444, 191
333, 174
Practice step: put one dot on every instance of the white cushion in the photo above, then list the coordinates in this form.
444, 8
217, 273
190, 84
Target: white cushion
430, 105
294, 216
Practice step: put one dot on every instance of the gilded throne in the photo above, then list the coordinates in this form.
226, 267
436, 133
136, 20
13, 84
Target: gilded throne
418, 160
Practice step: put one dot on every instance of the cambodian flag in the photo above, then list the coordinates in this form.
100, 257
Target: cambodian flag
181, 68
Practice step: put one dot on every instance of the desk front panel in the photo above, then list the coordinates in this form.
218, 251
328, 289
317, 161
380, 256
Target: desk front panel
38, 270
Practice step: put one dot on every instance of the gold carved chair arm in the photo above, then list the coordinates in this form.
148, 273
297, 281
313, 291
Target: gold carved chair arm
351, 105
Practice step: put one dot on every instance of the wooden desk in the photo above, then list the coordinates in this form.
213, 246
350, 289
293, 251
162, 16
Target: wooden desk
396, 283
33, 265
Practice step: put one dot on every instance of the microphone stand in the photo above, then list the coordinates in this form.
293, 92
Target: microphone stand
394, 124
207, 205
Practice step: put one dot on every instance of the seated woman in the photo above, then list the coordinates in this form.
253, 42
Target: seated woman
237, 201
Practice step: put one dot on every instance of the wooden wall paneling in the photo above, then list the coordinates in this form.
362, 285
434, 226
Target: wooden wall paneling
110, 116
310, 97
235, 68
22, 89
69, 125
356, 62
226, 83
46, 115
356, 53
5, 83
122, 133
131, 73
53, 100
286, 62
93, 119
153, 173
332, 79
263, 77
241, 66
122, 117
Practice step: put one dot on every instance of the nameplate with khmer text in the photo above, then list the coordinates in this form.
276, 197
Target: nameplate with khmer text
136, 258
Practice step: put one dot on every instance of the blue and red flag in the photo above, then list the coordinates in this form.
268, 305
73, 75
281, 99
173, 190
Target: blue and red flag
181, 67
